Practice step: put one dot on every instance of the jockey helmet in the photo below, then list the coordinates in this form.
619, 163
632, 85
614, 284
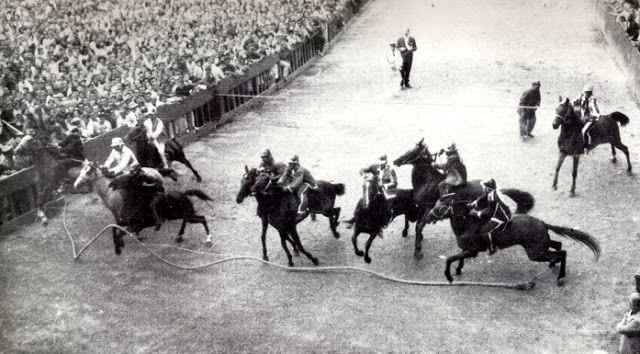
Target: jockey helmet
266, 153
588, 88
383, 158
116, 142
294, 160
489, 183
75, 130
536, 84
452, 149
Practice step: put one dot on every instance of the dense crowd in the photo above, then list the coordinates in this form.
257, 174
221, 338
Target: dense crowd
627, 13
97, 64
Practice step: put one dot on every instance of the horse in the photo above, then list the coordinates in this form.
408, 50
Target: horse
50, 170
424, 179
570, 142
373, 214
275, 207
529, 232
142, 208
148, 155
321, 201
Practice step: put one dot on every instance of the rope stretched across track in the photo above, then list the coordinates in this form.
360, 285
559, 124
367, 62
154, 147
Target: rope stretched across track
76, 255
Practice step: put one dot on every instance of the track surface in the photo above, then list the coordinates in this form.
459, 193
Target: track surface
472, 60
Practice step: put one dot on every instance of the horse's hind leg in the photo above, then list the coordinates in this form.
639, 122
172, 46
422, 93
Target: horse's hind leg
263, 237
458, 257
553, 257
200, 219
118, 242
181, 232
188, 164
296, 238
574, 174
613, 152
625, 150
354, 240
283, 242
556, 245
333, 221
405, 231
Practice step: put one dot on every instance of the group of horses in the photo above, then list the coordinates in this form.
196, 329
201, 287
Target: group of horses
424, 205
137, 209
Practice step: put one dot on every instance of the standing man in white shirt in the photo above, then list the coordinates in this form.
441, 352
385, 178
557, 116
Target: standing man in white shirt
407, 45
155, 128
121, 155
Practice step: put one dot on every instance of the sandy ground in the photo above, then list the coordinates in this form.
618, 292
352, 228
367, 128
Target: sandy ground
473, 61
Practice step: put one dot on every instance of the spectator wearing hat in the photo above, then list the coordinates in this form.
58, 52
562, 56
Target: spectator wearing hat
121, 155
454, 169
155, 128
629, 327
269, 166
297, 180
529, 103
71, 146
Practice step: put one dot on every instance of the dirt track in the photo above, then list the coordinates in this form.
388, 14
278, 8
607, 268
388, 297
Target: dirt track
472, 61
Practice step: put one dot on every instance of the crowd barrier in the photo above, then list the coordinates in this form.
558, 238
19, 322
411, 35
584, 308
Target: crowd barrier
199, 113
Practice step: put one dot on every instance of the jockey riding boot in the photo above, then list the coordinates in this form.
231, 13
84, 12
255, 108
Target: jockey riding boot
381, 233
491, 249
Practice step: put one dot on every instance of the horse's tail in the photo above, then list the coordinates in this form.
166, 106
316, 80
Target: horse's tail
620, 118
578, 236
525, 200
338, 188
198, 193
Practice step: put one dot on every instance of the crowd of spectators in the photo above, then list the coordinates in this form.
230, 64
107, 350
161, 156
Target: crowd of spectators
94, 65
626, 13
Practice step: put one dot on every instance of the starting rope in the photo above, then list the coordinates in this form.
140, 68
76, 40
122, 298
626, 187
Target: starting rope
76, 255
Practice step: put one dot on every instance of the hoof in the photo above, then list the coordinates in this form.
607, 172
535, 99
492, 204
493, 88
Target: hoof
614, 160
336, 234
404, 233
449, 278
526, 286
157, 228
367, 259
418, 255
359, 253
209, 243
265, 258
629, 172
296, 253
198, 179
290, 264
313, 217
458, 272
315, 260
118, 251
561, 282
551, 264
554, 187
179, 240
572, 194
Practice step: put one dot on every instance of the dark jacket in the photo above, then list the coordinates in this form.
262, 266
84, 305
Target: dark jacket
530, 97
72, 147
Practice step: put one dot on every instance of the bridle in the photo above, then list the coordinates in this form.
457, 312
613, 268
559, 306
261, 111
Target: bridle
447, 208
564, 118
420, 155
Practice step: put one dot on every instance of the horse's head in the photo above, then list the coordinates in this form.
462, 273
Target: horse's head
371, 190
247, 181
87, 173
137, 133
442, 210
419, 154
565, 113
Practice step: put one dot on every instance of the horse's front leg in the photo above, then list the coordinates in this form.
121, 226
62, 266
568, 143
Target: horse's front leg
372, 236
422, 222
263, 237
458, 257
574, 174
333, 221
405, 231
354, 240
613, 152
558, 165
283, 242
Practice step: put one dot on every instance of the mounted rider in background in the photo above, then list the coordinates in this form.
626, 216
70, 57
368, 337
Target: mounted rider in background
490, 208
587, 105
385, 174
154, 127
454, 168
270, 167
297, 180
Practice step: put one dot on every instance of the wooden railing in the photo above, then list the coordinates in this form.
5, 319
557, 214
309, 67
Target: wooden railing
210, 107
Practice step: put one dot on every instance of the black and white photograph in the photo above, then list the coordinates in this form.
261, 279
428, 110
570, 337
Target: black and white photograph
319, 176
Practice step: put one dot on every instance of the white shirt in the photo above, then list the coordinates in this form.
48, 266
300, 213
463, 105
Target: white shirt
123, 159
153, 133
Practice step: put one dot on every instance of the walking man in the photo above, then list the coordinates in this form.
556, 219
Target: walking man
529, 101
407, 45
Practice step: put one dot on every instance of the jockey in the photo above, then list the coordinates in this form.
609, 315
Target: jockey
297, 179
270, 167
386, 174
155, 127
454, 169
139, 176
495, 212
587, 105
121, 155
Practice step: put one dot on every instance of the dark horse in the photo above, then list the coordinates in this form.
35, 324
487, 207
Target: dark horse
139, 209
570, 141
374, 213
424, 179
50, 171
527, 231
148, 155
275, 207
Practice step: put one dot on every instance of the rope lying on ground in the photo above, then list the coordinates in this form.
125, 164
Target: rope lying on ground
76, 255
